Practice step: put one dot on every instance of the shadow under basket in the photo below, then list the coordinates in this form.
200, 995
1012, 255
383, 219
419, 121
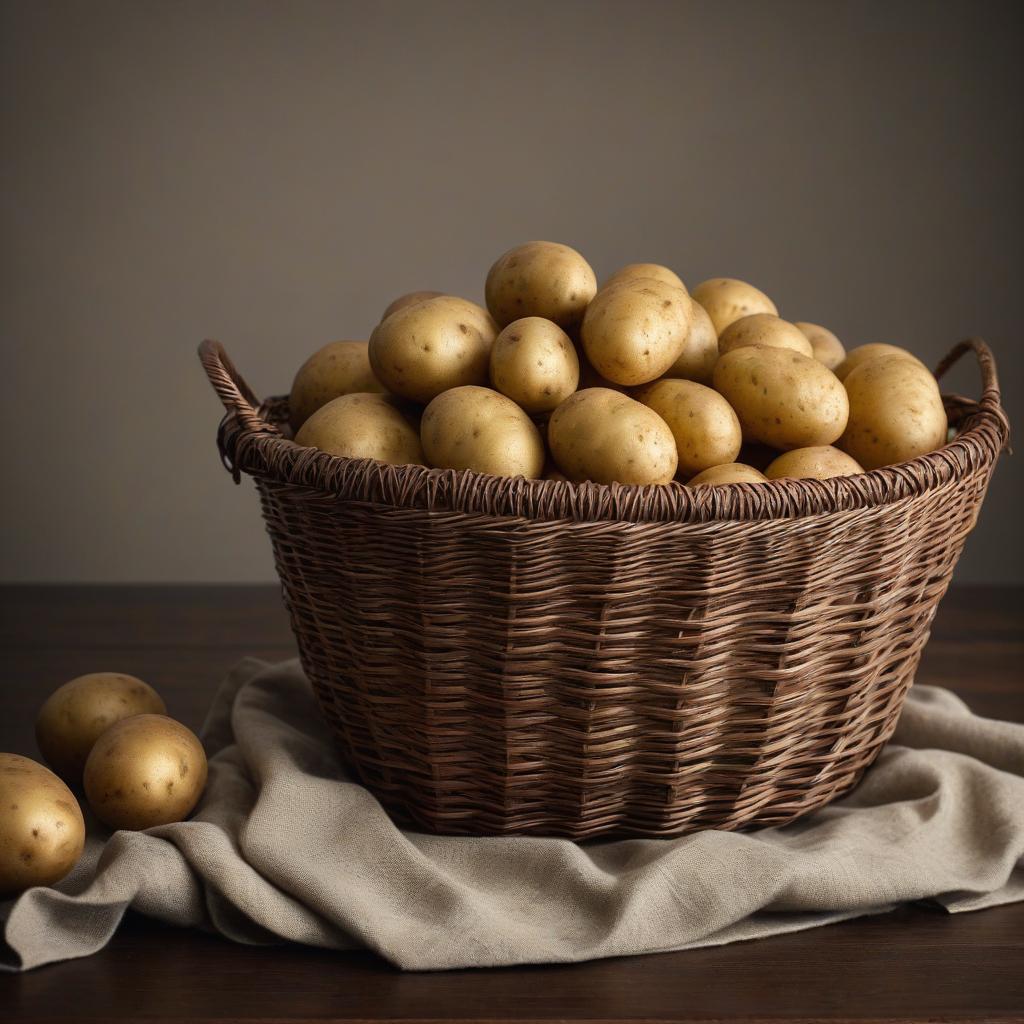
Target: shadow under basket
528, 656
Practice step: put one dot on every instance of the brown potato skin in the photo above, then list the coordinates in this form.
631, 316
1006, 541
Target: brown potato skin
144, 771
818, 463
783, 399
764, 329
828, 349
873, 350
432, 346
704, 425
363, 426
409, 299
337, 369
896, 412
603, 435
730, 473
479, 429
700, 350
42, 832
727, 299
635, 329
76, 714
648, 270
534, 362
545, 279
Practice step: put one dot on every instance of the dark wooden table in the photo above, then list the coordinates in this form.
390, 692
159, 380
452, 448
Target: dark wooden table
911, 965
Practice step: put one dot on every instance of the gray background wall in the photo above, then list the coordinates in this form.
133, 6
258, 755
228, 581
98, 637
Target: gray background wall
273, 173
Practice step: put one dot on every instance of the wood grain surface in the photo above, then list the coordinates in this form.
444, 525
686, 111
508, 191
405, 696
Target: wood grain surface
911, 965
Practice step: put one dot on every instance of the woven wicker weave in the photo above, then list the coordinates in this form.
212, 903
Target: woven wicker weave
503, 656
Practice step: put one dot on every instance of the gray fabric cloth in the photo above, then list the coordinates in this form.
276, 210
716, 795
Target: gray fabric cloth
283, 847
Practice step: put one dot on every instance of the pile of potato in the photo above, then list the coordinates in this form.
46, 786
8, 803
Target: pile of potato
107, 735
637, 381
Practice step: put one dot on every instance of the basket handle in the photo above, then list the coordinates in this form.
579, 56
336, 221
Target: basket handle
231, 388
991, 398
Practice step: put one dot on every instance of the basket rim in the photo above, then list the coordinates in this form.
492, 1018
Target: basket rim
253, 439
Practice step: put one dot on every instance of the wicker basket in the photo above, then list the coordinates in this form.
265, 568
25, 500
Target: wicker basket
500, 656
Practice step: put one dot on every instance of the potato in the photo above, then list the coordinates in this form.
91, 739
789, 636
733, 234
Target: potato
828, 349
896, 412
635, 329
873, 350
434, 345
590, 378
42, 832
409, 299
543, 279
782, 398
605, 436
649, 270
77, 713
340, 368
727, 299
730, 473
363, 426
764, 329
706, 430
816, 463
479, 429
534, 363
471, 309
700, 350
144, 771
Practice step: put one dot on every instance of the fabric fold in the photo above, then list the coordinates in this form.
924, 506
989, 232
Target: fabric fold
285, 848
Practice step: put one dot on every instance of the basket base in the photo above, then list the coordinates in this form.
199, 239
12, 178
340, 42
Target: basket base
650, 812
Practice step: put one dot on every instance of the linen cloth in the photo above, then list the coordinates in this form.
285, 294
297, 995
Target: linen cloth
284, 847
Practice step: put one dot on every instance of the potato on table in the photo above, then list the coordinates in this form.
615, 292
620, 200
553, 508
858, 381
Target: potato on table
76, 714
42, 831
144, 771
606, 436
704, 425
782, 398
